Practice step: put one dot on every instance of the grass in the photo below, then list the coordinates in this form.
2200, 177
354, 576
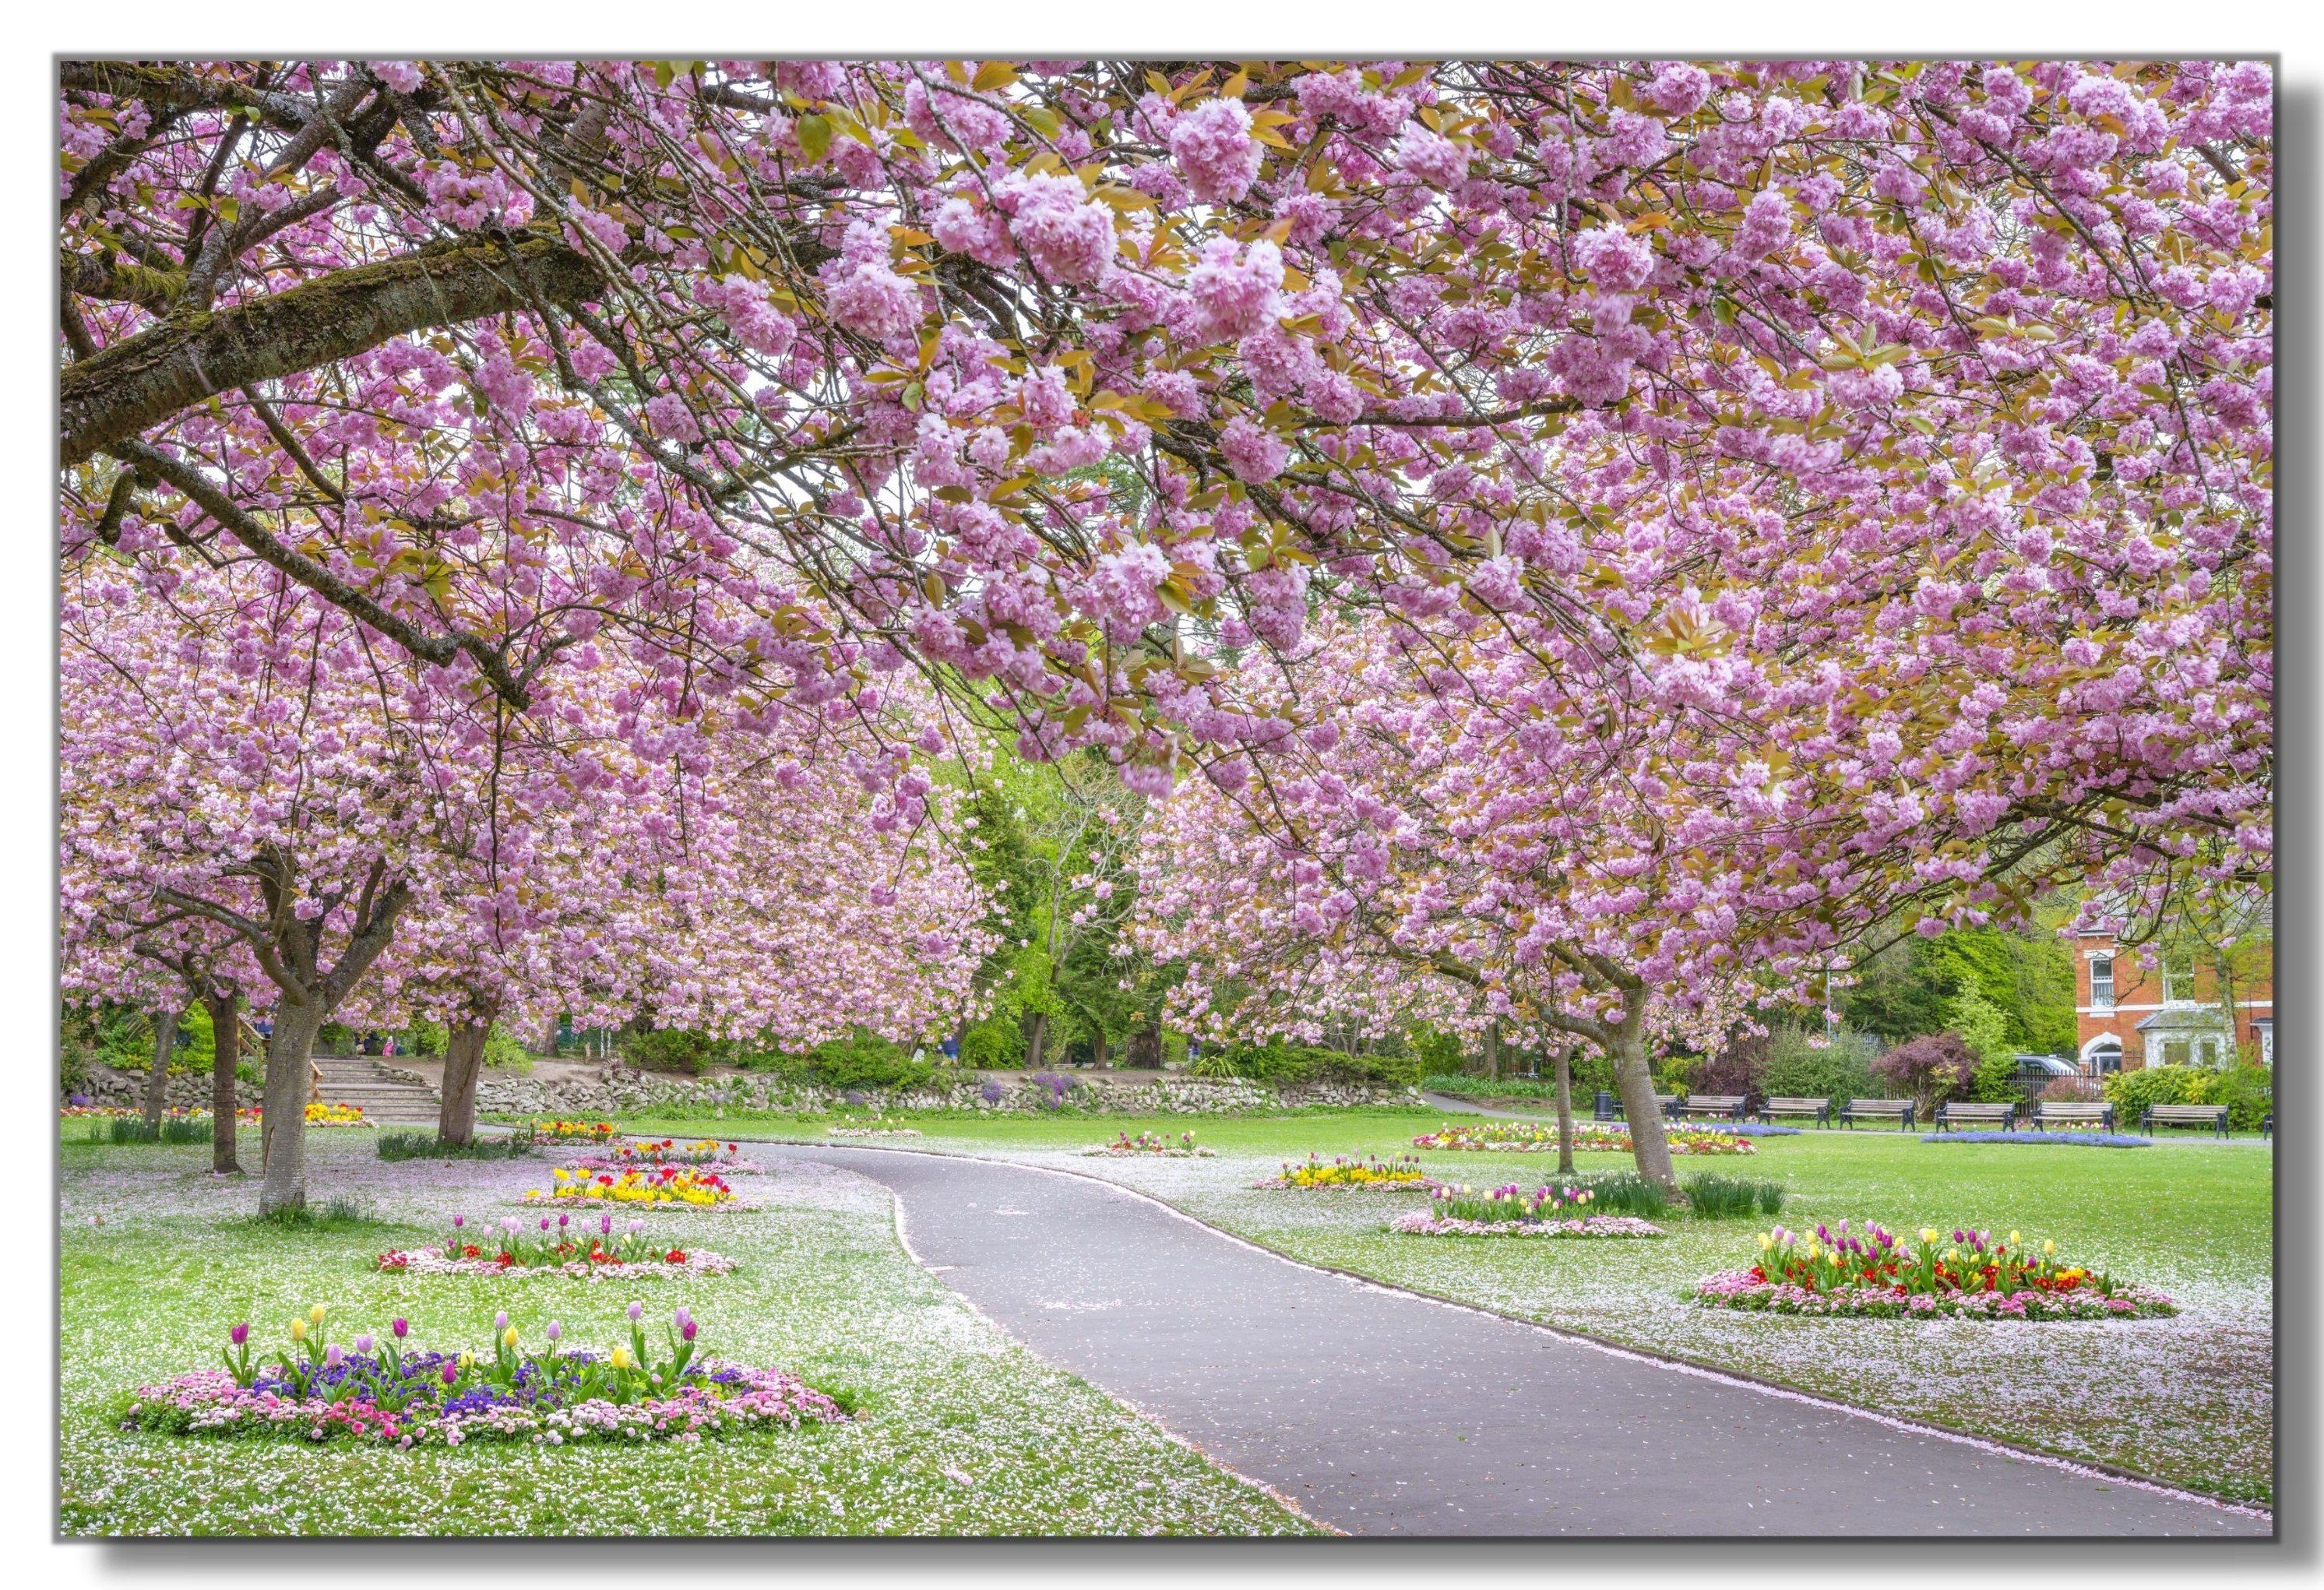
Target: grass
2188, 1401
962, 1432
1730, 1197
129, 1129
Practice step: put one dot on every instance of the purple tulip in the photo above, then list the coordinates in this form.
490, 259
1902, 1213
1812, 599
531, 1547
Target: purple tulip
331, 1356
604, 1225
561, 1219
499, 1320
682, 1315
555, 1330
363, 1343
458, 1221
451, 1372
637, 1312
544, 1223
687, 1330
401, 1328
238, 1335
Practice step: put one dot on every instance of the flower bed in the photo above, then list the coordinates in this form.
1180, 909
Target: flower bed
871, 1132
678, 1186
647, 1156
1372, 1175
1124, 1146
382, 1394
561, 1247
321, 1115
1521, 1137
1510, 1211
2088, 1140
1530, 1137
598, 1131
1972, 1276
1420, 1223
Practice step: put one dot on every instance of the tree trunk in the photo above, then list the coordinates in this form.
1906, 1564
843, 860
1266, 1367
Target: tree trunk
1037, 1033
1493, 1051
288, 1052
226, 1027
464, 1059
1098, 1050
1565, 1109
157, 1081
1648, 1146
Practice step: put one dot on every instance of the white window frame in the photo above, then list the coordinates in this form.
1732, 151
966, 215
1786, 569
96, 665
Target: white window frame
2101, 1000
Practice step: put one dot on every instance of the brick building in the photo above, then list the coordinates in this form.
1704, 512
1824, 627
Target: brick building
2128, 1015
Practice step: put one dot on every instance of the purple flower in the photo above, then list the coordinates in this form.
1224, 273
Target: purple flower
687, 1330
238, 1335
561, 1219
637, 1311
682, 1315
555, 1330
451, 1372
499, 1320
458, 1221
605, 1224
331, 1356
363, 1343
544, 1223
401, 1328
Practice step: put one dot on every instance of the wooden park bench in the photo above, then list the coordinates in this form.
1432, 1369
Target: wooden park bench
1609, 1106
1818, 1107
1726, 1106
2051, 1113
2214, 1117
2003, 1117
1899, 1109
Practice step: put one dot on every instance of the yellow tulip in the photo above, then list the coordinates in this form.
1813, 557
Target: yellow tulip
2048, 1247
508, 1337
298, 1330
467, 1360
1953, 1255
315, 1314
2013, 1239
1766, 1241
621, 1358
1928, 1233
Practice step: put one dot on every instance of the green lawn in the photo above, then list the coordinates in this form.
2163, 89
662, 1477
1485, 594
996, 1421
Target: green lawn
2187, 1400
962, 1431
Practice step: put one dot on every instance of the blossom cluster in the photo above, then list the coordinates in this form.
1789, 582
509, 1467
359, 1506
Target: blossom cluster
520, 1247
636, 1156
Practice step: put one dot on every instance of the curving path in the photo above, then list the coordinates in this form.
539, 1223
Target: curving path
1382, 1413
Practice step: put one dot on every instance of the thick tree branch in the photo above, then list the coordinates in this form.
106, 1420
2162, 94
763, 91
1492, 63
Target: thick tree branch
136, 383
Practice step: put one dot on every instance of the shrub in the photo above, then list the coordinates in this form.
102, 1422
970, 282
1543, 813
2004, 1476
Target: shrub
339, 1214
174, 1129
1935, 1066
2133, 1093
1799, 1068
1724, 1198
426, 1145
504, 1052
660, 1048
2247, 1091
993, 1044
1286, 1064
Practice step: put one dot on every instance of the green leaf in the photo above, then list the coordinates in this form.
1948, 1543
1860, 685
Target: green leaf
814, 134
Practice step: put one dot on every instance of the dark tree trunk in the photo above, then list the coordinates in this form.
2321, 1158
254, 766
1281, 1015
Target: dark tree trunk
1098, 1053
1036, 1034
1493, 1051
464, 1060
157, 1080
226, 1027
1649, 1146
289, 1053
1565, 1109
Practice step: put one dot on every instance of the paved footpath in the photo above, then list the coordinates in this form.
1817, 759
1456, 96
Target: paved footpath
1382, 1413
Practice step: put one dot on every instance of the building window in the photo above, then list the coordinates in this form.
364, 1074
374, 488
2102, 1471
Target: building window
2179, 979
2101, 982
2107, 1059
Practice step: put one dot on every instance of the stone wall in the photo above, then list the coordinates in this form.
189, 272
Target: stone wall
189, 1090
615, 1090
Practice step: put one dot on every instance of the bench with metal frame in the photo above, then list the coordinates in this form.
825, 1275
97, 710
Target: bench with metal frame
2214, 1117
2052, 1112
1821, 1108
2001, 1117
1727, 1106
1899, 1109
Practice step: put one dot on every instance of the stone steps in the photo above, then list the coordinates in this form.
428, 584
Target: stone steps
356, 1080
